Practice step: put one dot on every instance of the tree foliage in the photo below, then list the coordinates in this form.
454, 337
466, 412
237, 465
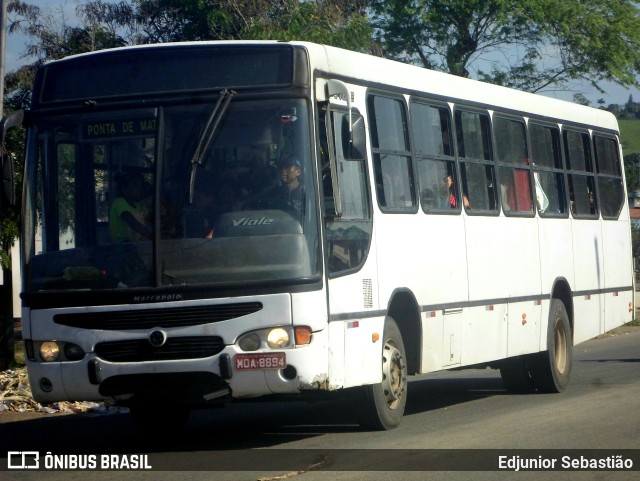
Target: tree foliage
532, 45
336, 22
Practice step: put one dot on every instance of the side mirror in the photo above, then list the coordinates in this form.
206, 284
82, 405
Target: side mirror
354, 138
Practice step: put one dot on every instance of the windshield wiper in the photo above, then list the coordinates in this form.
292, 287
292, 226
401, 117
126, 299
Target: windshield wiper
217, 113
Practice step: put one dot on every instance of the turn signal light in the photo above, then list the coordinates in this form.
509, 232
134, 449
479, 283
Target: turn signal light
303, 335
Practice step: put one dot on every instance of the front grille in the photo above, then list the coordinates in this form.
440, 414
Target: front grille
139, 350
148, 318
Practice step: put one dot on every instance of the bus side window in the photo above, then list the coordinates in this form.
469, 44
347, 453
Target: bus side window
610, 186
473, 135
391, 154
433, 146
582, 188
513, 158
546, 157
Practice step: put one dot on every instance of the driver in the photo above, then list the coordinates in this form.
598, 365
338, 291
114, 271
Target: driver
291, 190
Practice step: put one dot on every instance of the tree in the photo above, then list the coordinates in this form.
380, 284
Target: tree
341, 24
532, 45
336, 22
53, 38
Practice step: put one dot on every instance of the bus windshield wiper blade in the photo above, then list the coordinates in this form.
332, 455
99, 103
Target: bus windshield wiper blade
208, 134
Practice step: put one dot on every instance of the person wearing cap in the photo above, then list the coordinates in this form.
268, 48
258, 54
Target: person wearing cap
291, 189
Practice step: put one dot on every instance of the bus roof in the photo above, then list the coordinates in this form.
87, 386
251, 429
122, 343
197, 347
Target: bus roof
371, 70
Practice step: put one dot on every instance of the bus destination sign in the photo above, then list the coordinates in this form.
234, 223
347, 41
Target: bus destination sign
119, 128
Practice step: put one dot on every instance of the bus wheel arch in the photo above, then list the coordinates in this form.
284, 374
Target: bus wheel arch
403, 308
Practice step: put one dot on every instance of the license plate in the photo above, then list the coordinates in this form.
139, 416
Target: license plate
249, 362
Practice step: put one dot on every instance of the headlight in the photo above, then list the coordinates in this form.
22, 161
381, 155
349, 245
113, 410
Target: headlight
250, 342
49, 351
73, 352
275, 338
278, 338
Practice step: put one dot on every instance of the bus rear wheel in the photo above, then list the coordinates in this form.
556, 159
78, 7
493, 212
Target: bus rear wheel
551, 369
384, 403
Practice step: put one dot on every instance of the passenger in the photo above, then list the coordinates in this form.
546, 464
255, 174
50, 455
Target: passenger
292, 190
451, 191
126, 216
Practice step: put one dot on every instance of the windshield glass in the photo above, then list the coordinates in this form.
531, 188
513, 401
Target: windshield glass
211, 193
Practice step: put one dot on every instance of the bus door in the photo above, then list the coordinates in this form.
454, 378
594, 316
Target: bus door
352, 281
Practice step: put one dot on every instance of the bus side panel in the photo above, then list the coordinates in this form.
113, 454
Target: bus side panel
588, 262
433, 347
354, 359
556, 262
485, 334
425, 255
618, 274
442, 261
511, 243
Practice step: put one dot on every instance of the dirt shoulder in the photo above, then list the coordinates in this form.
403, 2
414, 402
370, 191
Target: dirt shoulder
626, 329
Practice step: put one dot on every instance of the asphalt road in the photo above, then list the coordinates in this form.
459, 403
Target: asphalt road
448, 414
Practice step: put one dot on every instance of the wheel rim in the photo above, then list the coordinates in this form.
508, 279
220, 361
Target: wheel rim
560, 348
393, 374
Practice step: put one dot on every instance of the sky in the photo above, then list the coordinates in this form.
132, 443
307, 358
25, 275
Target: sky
15, 48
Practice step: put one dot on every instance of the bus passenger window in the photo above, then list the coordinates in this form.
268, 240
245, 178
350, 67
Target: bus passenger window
546, 158
515, 176
433, 148
391, 155
610, 185
473, 135
582, 187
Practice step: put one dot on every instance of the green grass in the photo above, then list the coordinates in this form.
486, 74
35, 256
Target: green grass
630, 136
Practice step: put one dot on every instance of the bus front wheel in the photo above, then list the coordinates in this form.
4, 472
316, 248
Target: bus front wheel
384, 403
551, 369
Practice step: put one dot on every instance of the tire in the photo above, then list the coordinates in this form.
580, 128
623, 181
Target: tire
383, 404
551, 369
516, 376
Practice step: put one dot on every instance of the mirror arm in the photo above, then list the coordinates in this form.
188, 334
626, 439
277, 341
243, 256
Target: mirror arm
340, 89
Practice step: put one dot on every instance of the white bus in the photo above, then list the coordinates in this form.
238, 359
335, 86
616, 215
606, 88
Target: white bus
212, 222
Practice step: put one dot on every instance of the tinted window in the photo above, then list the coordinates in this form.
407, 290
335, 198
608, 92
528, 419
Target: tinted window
437, 179
473, 135
582, 189
610, 185
391, 157
515, 176
548, 173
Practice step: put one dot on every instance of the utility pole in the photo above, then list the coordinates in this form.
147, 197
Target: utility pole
6, 291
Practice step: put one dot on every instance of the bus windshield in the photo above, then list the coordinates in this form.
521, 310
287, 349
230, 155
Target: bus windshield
209, 193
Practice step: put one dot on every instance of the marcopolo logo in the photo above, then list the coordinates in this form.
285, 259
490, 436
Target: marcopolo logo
23, 460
